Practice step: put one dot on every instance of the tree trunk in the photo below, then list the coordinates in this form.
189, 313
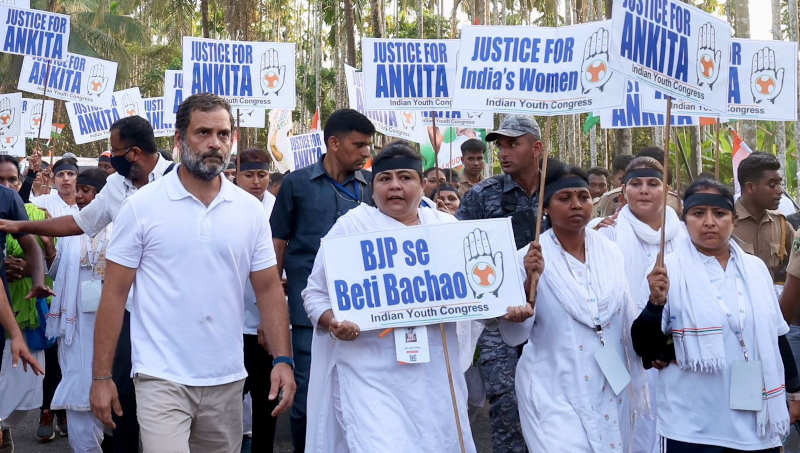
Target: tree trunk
696, 154
479, 12
780, 127
741, 28
318, 54
623, 142
204, 17
420, 19
350, 32
376, 17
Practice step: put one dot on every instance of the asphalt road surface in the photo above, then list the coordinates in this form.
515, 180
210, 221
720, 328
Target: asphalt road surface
24, 434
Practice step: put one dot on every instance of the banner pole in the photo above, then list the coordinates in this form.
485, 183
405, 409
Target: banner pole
432, 138
539, 211
716, 151
667, 135
236, 136
452, 389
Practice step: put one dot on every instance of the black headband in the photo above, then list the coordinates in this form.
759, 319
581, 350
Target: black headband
88, 180
244, 166
64, 166
104, 158
707, 199
642, 173
570, 182
397, 163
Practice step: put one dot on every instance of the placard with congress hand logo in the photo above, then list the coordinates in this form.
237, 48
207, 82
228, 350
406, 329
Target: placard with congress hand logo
424, 274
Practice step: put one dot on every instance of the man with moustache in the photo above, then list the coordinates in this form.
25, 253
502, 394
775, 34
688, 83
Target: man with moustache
184, 400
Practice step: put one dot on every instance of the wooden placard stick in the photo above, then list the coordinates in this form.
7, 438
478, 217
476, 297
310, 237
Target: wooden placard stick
534, 282
667, 136
716, 151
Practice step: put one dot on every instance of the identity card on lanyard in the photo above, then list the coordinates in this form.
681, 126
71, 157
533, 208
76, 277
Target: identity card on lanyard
747, 383
411, 344
608, 359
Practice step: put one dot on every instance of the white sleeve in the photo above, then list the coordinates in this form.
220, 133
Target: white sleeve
316, 299
515, 333
95, 216
127, 241
263, 250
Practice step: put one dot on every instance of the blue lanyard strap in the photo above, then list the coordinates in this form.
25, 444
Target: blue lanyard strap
355, 195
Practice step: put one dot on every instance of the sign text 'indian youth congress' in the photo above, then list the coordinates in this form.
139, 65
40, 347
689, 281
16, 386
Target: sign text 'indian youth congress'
415, 276
409, 73
76, 78
674, 47
34, 32
90, 123
546, 71
246, 74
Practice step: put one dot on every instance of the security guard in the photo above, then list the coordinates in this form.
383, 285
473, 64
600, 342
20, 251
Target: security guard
512, 194
760, 229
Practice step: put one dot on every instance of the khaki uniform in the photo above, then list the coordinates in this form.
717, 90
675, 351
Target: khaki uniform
769, 239
609, 202
464, 185
793, 268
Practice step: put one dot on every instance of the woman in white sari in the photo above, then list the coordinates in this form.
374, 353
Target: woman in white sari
636, 229
566, 402
725, 388
360, 399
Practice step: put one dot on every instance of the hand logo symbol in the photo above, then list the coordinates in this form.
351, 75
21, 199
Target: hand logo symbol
484, 270
595, 72
96, 84
408, 119
128, 105
272, 76
6, 116
766, 80
36, 116
708, 57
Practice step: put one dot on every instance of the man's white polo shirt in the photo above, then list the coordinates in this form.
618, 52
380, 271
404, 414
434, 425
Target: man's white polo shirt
191, 263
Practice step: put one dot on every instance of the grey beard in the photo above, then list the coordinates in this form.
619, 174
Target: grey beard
196, 166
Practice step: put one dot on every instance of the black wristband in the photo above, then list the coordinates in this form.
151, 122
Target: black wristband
283, 359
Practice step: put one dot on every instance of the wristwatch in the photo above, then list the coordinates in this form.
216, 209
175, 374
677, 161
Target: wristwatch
283, 359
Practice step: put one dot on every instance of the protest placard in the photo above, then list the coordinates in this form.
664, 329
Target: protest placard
635, 113
680, 50
763, 80
17, 3
173, 93
408, 74
76, 78
280, 126
128, 102
307, 148
11, 124
154, 109
457, 118
34, 32
537, 70
399, 124
250, 117
90, 123
424, 274
246, 74
37, 118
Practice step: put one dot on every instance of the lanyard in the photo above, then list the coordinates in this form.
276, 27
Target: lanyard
591, 295
355, 195
737, 325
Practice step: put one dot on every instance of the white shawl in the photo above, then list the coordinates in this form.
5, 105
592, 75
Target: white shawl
697, 325
64, 306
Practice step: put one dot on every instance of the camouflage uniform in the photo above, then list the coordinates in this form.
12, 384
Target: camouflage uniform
500, 196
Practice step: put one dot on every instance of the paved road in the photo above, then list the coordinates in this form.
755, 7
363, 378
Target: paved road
24, 434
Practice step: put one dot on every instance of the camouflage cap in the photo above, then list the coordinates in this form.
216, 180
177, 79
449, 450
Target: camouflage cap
515, 126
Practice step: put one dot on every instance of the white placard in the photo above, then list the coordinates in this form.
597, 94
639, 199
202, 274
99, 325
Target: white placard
537, 70
307, 148
635, 113
680, 50
128, 102
173, 93
154, 110
250, 117
90, 123
246, 74
76, 78
37, 118
424, 274
34, 32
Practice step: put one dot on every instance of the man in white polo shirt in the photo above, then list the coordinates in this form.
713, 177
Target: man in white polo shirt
187, 311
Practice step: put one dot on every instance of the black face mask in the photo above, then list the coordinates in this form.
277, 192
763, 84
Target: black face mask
121, 165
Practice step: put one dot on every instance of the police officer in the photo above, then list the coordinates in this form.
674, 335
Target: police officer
760, 229
472, 152
512, 194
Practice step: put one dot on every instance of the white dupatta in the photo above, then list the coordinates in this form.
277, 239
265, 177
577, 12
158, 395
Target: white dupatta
698, 324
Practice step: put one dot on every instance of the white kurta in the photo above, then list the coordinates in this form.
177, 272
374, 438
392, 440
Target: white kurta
565, 403
19, 390
360, 399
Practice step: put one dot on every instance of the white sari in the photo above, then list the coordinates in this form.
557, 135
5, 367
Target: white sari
359, 398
